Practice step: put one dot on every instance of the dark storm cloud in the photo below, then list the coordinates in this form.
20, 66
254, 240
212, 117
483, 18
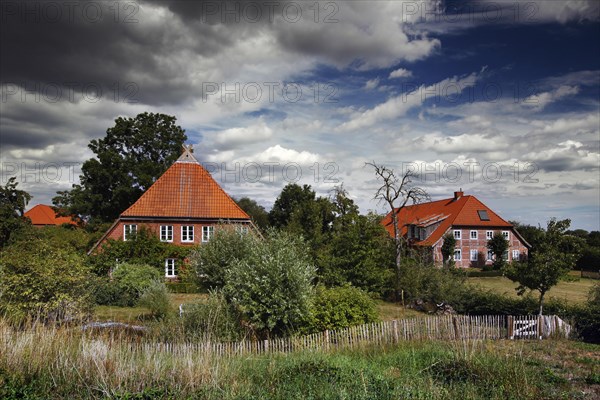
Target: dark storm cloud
92, 46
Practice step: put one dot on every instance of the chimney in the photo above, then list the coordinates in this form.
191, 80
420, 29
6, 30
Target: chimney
458, 195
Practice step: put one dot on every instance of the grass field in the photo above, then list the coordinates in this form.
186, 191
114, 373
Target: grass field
575, 291
62, 363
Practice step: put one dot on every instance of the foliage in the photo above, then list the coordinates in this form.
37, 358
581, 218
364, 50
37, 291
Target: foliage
340, 307
299, 211
589, 260
143, 248
498, 245
156, 298
587, 318
134, 153
256, 212
360, 252
271, 286
448, 247
431, 284
548, 263
12, 207
212, 260
64, 236
40, 279
131, 280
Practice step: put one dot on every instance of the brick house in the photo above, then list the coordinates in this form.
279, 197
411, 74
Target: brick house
471, 223
182, 207
43, 215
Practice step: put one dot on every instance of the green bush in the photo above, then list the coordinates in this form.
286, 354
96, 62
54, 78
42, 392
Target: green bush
340, 307
271, 286
40, 279
432, 284
156, 299
182, 287
131, 280
212, 260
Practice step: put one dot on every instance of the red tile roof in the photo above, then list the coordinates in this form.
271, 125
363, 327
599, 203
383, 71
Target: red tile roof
186, 190
460, 212
45, 215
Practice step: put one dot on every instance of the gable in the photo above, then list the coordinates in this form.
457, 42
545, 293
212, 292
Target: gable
186, 190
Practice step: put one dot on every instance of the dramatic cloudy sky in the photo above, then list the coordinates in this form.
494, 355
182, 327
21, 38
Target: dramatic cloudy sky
499, 98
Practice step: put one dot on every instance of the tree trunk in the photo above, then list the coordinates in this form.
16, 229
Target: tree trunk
541, 302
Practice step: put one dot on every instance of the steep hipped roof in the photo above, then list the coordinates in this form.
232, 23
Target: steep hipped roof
186, 190
45, 215
461, 211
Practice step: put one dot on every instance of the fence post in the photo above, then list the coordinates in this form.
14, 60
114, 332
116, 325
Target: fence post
455, 325
540, 330
266, 345
511, 327
327, 339
395, 327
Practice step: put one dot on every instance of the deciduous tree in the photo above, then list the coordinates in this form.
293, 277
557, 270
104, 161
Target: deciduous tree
548, 263
128, 160
12, 207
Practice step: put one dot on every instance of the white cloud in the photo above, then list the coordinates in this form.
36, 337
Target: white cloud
281, 155
466, 143
372, 84
567, 155
400, 73
232, 137
400, 105
540, 101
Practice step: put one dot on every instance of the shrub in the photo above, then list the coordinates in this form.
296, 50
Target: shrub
340, 307
212, 260
271, 286
432, 284
156, 299
42, 280
132, 280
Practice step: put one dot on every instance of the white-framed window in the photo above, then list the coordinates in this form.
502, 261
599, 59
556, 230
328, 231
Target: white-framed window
242, 229
490, 255
128, 231
457, 255
489, 235
516, 255
457, 234
506, 235
474, 255
473, 234
166, 233
170, 271
207, 233
187, 233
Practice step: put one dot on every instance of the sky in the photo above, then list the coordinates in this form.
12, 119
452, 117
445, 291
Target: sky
498, 98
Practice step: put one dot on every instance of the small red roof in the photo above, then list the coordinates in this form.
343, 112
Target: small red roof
462, 211
42, 214
186, 190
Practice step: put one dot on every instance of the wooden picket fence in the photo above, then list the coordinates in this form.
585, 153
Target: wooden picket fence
382, 333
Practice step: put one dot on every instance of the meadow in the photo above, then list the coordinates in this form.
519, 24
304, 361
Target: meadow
61, 362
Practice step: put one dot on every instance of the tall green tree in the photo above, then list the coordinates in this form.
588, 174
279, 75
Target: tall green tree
134, 153
549, 262
298, 210
12, 208
257, 213
358, 249
498, 245
448, 247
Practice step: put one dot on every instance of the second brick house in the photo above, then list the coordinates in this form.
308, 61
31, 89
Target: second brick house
471, 223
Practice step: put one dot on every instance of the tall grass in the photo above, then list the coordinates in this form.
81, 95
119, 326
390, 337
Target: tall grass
51, 362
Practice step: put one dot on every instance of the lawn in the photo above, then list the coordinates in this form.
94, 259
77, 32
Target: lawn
135, 314
575, 291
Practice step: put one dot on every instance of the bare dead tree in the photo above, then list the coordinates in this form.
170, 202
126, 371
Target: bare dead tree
396, 191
